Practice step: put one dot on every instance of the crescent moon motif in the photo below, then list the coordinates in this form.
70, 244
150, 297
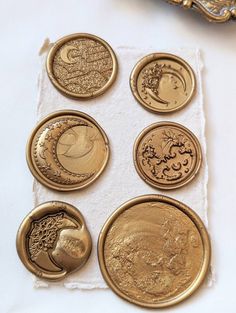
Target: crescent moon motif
64, 54
46, 157
81, 146
174, 73
157, 97
177, 75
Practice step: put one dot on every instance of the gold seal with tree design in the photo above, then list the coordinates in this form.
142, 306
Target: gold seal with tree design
163, 82
81, 66
154, 251
67, 150
167, 155
53, 240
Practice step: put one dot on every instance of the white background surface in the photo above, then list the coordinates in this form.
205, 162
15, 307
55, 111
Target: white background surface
24, 25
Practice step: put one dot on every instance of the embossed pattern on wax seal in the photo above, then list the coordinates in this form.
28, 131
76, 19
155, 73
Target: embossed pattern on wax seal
53, 240
67, 150
81, 66
154, 251
167, 155
163, 82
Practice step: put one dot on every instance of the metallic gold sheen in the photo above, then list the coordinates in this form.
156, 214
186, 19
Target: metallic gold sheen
81, 66
154, 251
53, 240
163, 82
67, 150
214, 10
167, 155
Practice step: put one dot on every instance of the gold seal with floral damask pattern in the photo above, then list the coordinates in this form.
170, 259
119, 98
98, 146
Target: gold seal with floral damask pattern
67, 150
81, 66
154, 251
53, 240
163, 82
167, 155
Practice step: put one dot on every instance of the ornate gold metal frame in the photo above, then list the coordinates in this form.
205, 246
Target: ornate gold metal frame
214, 10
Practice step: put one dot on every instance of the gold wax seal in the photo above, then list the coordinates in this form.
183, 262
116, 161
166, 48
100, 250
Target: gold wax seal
167, 155
162, 82
81, 66
154, 251
67, 150
53, 240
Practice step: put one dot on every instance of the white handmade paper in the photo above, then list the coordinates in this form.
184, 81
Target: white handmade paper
123, 119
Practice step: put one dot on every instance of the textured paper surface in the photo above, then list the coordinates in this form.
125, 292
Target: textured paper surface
123, 119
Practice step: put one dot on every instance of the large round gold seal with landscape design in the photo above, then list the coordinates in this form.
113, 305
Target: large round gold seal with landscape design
154, 251
167, 155
67, 150
53, 240
163, 82
81, 66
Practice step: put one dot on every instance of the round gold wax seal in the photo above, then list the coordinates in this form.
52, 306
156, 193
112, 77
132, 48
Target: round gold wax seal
162, 82
167, 155
81, 66
67, 150
154, 251
53, 240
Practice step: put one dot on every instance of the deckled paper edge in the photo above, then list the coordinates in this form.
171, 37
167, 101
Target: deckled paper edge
200, 69
70, 285
211, 277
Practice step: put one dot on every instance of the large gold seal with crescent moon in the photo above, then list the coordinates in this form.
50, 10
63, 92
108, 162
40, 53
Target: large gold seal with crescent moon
154, 251
81, 66
167, 155
163, 82
53, 240
67, 150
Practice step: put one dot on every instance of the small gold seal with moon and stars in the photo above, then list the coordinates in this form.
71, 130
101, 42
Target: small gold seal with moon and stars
67, 150
81, 66
163, 82
167, 155
154, 251
53, 240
